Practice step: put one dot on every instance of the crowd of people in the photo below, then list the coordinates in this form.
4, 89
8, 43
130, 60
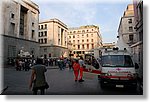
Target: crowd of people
38, 65
26, 63
77, 65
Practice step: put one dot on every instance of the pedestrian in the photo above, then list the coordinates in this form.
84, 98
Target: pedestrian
82, 66
38, 81
60, 64
17, 65
70, 63
76, 67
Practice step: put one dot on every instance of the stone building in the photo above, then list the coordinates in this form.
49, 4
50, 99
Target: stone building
84, 39
126, 31
137, 47
53, 38
20, 20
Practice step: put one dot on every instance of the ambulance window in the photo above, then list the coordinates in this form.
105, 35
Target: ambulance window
117, 61
128, 61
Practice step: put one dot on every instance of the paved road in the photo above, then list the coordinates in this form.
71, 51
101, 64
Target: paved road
61, 83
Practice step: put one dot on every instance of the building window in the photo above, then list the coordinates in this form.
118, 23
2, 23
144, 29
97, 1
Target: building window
129, 20
12, 15
32, 24
21, 24
11, 51
45, 26
130, 29
87, 30
82, 46
87, 46
33, 33
73, 36
39, 40
58, 41
45, 33
82, 35
91, 35
83, 31
78, 46
73, 41
74, 31
131, 37
92, 46
45, 49
41, 26
70, 37
78, 41
82, 41
78, 36
86, 35
45, 40
92, 40
79, 31
41, 33
12, 28
87, 40
65, 43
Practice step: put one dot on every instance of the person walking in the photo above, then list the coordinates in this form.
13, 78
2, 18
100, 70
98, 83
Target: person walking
38, 81
82, 66
76, 68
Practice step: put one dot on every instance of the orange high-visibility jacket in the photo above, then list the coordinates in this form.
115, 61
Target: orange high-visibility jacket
76, 66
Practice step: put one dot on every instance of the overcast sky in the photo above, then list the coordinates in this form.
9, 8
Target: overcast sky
74, 13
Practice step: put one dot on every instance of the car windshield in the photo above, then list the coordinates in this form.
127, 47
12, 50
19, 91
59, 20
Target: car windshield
116, 61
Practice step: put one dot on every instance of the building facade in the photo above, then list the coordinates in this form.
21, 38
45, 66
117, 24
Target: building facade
126, 32
53, 38
137, 48
109, 45
20, 28
84, 39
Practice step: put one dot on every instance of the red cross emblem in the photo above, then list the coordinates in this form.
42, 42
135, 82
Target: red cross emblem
118, 69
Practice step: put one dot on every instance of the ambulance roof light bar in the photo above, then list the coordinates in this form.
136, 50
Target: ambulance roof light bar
116, 48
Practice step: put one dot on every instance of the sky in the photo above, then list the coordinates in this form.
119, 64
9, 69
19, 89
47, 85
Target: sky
75, 13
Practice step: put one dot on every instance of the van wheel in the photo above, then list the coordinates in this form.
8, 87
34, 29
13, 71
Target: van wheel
102, 84
99, 78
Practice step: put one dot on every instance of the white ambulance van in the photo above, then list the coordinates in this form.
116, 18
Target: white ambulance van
117, 69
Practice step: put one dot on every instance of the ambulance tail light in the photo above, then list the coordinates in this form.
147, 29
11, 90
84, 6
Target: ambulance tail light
129, 75
106, 74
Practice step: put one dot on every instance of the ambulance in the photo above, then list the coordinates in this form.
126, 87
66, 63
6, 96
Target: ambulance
114, 67
118, 68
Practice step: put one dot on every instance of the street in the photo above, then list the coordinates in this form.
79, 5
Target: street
61, 83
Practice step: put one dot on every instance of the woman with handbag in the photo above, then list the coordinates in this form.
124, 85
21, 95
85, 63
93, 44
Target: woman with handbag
38, 81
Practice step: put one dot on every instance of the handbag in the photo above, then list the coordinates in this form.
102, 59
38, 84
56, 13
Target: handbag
46, 85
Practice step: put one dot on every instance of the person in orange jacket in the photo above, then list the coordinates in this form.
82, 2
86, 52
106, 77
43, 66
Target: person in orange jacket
76, 67
82, 66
